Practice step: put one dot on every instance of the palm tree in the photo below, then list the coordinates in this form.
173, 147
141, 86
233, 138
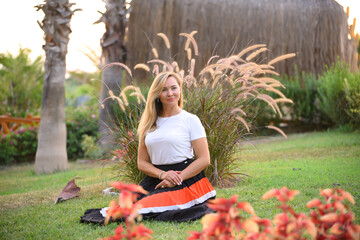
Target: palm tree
113, 50
51, 151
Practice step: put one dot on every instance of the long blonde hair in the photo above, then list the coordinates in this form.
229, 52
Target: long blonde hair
154, 107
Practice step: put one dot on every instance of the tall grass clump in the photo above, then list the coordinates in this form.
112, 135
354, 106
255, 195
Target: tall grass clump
338, 93
220, 95
127, 114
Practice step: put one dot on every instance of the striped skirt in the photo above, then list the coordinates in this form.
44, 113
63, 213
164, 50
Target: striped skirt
185, 202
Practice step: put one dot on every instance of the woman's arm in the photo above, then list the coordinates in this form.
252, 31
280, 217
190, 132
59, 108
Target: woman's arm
145, 166
202, 160
144, 162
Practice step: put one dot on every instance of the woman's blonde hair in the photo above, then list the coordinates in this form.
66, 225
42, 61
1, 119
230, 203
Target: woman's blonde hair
154, 107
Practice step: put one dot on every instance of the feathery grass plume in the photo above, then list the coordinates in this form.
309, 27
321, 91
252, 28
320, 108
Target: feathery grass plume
250, 48
113, 97
111, 94
192, 67
123, 93
187, 43
175, 66
156, 69
265, 80
167, 65
118, 64
254, 54
270, 102
244, 122
154, 51
283, 100
278, 130
211, 58
142, 66
193, 42
271, 89
165, 38
266, 66
188, 51
271, 72
281, 58
238, 110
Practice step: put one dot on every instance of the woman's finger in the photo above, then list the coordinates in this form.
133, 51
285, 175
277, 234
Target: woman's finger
161, 184
174, 178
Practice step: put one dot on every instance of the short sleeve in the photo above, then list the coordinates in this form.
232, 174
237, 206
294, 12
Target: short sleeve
197, 130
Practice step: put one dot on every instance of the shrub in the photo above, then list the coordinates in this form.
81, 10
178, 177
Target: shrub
90, 148
331, 219
220, 95
331, 93
302, 90
79, 122
352, 96
19, 146
82, 89
21, 84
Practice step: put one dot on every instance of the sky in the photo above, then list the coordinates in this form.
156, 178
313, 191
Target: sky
26, 32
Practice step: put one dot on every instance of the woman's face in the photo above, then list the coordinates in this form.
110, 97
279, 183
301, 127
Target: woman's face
170, 93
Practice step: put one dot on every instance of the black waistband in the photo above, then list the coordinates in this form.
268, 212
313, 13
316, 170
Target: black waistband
177, 166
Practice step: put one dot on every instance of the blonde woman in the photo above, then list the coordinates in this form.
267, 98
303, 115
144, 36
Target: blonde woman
168, 139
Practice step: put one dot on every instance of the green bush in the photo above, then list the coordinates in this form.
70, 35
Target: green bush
90, 148
79, 122
19, 146
352, 96
82, 89
302, 90
21, 84
337, 93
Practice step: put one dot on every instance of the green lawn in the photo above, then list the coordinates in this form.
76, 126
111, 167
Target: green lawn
320, 160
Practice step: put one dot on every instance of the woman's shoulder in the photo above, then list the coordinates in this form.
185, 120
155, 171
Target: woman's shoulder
189, 115
191, 118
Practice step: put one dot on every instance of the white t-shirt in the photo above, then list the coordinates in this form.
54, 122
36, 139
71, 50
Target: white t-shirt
170, 143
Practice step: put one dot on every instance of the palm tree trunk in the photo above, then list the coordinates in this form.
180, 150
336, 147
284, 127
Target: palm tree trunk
51, 151
113, 50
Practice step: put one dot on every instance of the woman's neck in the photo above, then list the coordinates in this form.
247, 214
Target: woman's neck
168, 112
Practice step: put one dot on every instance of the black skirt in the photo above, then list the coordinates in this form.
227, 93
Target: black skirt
186, 202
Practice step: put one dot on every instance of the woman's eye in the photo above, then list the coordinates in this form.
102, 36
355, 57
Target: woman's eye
173, 88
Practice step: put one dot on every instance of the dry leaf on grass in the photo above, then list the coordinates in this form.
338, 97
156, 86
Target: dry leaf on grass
69, 191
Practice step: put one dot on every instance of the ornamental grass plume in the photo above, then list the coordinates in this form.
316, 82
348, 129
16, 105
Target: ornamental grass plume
220, 95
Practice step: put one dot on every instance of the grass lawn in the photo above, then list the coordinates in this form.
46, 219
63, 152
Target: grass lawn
306, 162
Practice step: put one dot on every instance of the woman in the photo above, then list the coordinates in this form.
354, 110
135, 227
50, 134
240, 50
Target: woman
177, 186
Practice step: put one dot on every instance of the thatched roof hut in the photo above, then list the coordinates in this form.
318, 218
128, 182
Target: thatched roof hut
316, 30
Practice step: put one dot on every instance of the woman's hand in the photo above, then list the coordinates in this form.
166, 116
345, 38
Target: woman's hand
172, 176
165, 184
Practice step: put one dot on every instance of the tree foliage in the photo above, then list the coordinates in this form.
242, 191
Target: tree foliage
21, 83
